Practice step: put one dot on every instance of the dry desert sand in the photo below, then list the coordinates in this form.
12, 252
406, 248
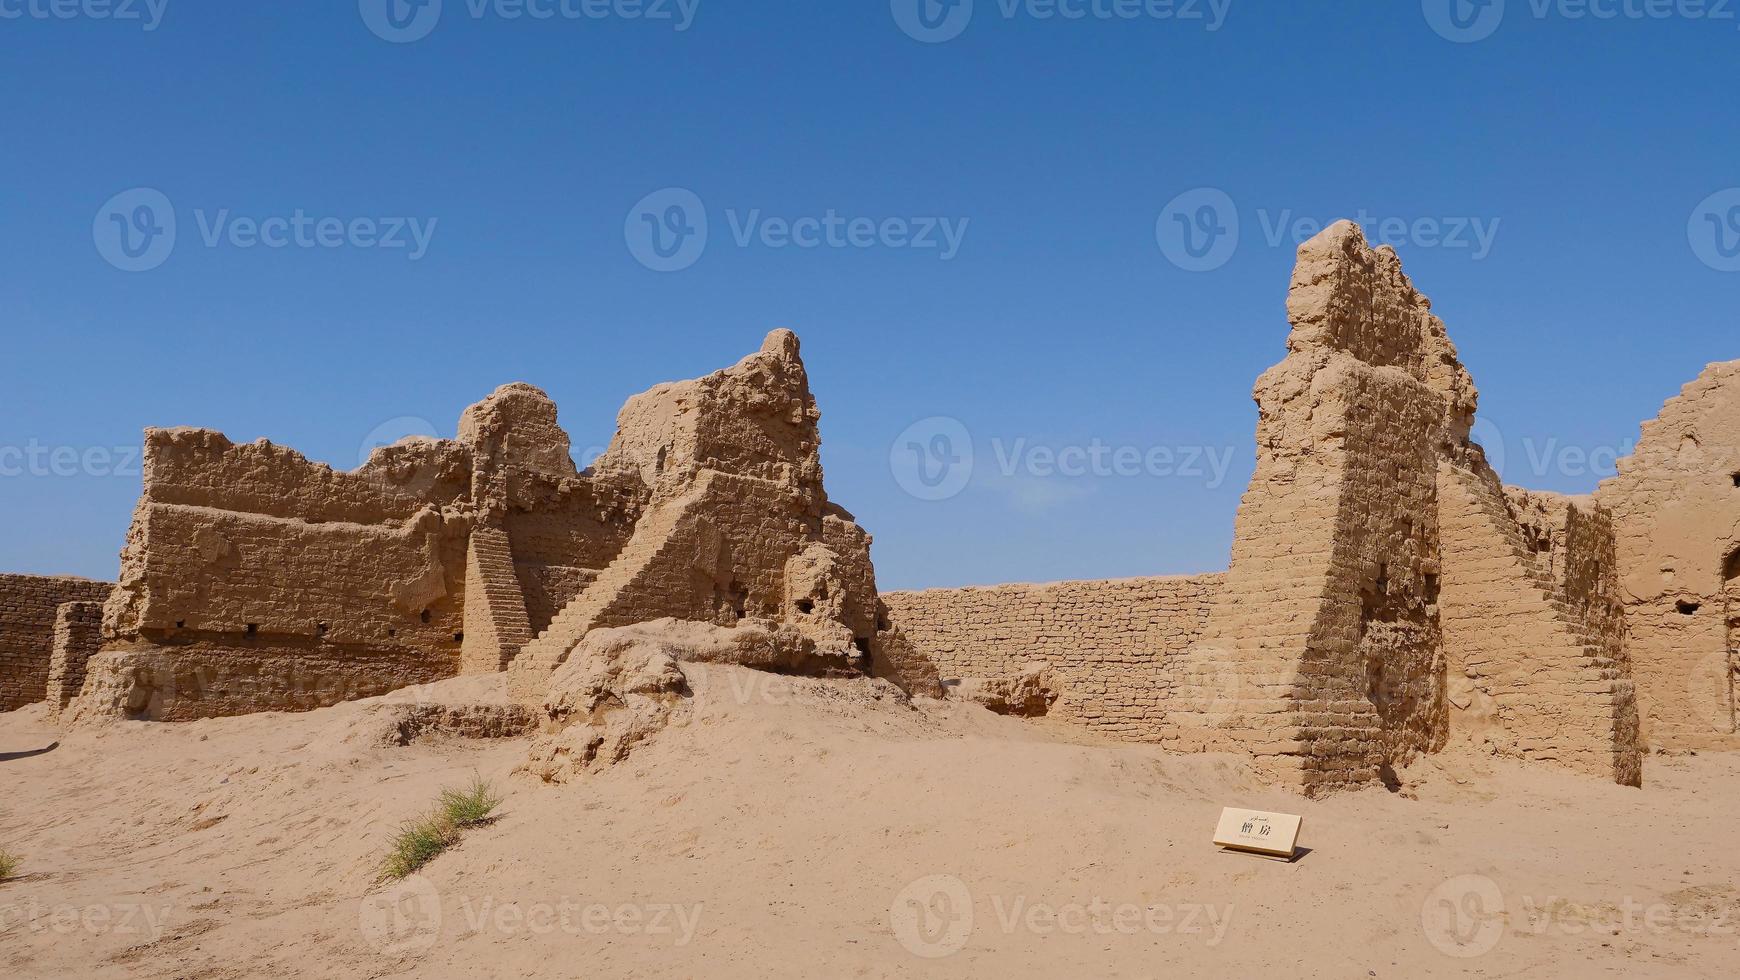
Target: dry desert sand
789, 826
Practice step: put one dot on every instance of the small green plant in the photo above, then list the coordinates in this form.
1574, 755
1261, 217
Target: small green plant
420, 840
8, 864
470, 806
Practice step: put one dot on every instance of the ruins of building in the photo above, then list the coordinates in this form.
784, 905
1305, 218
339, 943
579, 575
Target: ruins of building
1676, 507
255, 580
29, 607
1386, 592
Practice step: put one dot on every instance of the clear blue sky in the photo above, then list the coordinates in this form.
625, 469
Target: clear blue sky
1057, 320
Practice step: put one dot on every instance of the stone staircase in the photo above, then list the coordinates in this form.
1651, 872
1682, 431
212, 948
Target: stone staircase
598, 604
496, 625
1560, 690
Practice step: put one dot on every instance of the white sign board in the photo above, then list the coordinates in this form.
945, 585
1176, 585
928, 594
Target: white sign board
1276, 834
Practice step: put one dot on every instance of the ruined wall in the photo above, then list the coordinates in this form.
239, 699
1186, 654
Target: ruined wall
1676, 512
78, 633
737, 525
1322, 655
28, 605
1107, 642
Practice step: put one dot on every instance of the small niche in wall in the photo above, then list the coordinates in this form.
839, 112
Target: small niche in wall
253, 629
1687, 607
806, 606
424, 616
1736, 479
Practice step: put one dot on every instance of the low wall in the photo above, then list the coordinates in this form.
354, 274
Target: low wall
27, 612
1106, 640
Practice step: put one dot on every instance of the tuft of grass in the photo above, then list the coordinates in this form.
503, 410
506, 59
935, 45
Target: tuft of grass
471, 805
8, 864
420, 840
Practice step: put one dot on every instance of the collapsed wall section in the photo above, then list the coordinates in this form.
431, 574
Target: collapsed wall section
737, 524
1106, 642
28, 609
1676, 512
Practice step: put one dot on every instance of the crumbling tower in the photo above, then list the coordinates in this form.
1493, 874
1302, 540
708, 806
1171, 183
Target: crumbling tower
1376, 554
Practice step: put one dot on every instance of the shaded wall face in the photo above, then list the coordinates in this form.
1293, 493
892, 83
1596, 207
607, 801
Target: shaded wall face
1377, 639
1107, 642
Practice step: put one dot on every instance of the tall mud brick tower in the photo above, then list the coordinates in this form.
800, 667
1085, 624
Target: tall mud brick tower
1329, 653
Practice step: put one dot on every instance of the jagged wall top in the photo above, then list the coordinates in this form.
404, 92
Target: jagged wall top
1350, 298
756, 418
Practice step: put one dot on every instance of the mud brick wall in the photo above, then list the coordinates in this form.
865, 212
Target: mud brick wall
1676, 514
1106, 640
27, 620
78, 632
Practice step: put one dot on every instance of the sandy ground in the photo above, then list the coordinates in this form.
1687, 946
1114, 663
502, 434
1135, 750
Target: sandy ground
804, 828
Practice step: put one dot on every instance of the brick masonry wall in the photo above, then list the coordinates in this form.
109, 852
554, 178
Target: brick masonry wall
78, 632
1108, 641
27, 619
